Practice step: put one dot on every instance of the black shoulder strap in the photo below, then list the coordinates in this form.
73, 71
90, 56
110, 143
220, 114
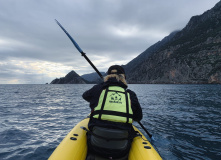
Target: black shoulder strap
127, 105
103, 103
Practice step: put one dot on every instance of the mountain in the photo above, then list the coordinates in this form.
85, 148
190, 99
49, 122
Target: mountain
192, 55
92, 77
155, 47
71, 78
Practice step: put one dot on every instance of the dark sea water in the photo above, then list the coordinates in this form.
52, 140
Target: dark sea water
185, 120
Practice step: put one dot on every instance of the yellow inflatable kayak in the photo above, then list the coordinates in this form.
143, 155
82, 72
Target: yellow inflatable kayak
74, 146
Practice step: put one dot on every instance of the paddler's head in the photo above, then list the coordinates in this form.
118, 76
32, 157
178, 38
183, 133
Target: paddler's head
117, 72
115, 69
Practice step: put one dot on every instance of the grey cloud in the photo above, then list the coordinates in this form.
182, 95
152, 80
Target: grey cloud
31, 32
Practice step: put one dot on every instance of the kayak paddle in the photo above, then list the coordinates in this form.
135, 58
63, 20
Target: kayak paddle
84, 55
79, 49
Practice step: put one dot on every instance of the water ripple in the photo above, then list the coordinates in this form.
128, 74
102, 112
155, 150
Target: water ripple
184, 119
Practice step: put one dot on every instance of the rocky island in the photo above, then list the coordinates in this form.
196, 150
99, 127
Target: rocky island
71, 78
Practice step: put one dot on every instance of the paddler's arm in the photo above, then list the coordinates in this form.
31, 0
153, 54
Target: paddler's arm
87, 95
92, 95
137, 110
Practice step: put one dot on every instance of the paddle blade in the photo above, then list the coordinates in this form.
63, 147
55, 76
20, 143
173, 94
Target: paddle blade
69, 36
152, 138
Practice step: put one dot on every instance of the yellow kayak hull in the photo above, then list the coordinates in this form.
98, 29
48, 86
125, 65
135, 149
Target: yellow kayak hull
74, 146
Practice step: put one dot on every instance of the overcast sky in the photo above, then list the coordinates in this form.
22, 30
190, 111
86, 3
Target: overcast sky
34, 50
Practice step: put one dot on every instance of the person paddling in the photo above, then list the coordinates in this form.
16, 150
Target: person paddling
113, 109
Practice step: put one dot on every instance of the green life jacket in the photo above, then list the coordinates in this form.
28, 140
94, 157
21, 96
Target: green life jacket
114, 105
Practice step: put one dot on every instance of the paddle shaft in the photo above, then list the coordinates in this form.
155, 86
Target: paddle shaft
79, 49
99, 73
89, 61
145, 129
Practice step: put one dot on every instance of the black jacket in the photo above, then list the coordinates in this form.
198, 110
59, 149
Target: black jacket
93, 94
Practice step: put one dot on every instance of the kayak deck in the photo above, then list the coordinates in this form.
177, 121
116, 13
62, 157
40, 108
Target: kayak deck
74, 146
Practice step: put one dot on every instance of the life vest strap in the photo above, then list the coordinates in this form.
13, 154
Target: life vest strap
127, 105
103, 103
116, 91
114, 113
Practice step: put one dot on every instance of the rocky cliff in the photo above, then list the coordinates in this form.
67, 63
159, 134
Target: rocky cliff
148, 52
192, 55
71, 78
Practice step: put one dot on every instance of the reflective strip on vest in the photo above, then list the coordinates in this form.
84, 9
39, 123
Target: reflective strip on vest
114, 105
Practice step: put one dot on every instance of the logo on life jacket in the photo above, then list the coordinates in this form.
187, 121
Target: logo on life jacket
115, 98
